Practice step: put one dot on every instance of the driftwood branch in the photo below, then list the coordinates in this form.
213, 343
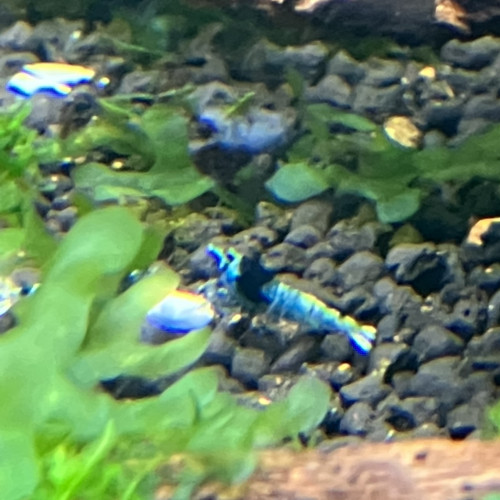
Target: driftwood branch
434, 469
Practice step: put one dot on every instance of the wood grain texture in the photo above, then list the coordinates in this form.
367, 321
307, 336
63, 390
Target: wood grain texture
410, 470
433, 469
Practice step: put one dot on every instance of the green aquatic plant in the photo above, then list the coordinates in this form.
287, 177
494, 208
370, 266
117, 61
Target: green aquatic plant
18, 166
20, 151
63, 439
157, 139
360, 159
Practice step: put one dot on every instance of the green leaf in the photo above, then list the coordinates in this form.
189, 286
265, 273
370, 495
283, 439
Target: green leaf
11, 241
398, 207
304, 407
326, 114
124, 358
18, 463
295, 182
161, 134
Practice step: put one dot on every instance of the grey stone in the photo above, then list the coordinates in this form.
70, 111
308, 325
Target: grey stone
330, 89
346, 238
434, 341
61, 202
409, 413
321, 250
345, 66
469, 128
482, 107
16, 36
342, 375
304, 349
483, 353
230, 219
462, 81
388, 327
321, 271
382, 72
214, 69
315, 213
369, 389
66, 217
139, 81
13, 62
379, 102
358, 302
440, 378
269, 215
464, 419
357, 419
84, 48
276, 386
51, 37
385, 358
202, 266
7, 321
468, 317
401, 382
471, 55
486, 278
420, 265
442, 116
336, 347
256, 237
304, 236
271, 334
213, 94
397, 300
331, 422
248, 365
196, 230
267, 62
360, 268
55, 185
220, 349
284, 258
493, 310
45, 110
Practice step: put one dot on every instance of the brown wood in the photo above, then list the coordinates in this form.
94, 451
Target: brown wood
433, 469
410, 470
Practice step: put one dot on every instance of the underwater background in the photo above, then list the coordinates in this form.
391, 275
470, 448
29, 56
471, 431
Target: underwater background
231, 225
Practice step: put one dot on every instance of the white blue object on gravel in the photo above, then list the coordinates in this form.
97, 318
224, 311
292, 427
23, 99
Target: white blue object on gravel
181, 312
295, 304
52, 77
257, 131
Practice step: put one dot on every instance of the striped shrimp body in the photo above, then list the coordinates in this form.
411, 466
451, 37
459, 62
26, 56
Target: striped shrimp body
242, 277
306, 308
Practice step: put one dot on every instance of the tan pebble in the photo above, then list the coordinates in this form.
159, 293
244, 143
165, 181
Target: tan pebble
401, 130
479, 228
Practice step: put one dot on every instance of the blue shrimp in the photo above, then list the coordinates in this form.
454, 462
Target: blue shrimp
291, 302
304, 307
